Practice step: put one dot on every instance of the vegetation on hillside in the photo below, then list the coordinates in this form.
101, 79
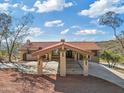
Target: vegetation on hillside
111, 50
112, 45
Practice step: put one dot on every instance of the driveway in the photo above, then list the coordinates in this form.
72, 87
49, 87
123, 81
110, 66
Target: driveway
101, 71
97, 70
13, 82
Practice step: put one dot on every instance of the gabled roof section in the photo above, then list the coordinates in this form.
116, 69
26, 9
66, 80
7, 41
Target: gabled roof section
48, 49
60, 45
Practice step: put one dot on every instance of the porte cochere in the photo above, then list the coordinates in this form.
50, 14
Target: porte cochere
60, 51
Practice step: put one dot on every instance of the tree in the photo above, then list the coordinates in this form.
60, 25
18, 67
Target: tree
115, 59
111, 58
106, 55
121, 36
112, 20
16, 33
5, 23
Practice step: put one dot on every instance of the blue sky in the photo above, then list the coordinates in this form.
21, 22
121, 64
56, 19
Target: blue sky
74, 20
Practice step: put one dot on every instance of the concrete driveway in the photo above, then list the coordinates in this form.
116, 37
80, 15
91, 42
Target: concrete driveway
97, 70
101, 71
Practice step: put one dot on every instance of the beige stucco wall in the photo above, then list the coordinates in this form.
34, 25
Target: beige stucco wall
30, 57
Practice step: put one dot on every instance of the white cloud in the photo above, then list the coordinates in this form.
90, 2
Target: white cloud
25, 8
4, 7
76, 27
51, 5
6, 0
41, 7
101, 6
15, 5
35, 31
64, 31
54, 23
89, 32
69, 4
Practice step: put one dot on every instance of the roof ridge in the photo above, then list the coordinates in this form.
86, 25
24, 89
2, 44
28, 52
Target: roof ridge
66, 42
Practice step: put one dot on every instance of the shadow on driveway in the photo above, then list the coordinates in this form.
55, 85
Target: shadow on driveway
81, 84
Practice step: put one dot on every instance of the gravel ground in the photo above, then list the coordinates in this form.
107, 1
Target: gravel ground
15, 82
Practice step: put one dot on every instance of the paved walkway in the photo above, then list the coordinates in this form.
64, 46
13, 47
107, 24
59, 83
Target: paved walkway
73, 67
101, 71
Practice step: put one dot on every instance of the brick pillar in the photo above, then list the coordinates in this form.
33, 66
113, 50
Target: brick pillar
85, 65
40, 65
62, 63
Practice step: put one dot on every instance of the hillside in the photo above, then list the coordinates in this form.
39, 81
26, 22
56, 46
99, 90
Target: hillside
113, 45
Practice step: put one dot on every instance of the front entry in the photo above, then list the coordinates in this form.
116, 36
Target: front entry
65, 51
69, 54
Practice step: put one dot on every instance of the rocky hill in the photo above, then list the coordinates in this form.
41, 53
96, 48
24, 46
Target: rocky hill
113, 45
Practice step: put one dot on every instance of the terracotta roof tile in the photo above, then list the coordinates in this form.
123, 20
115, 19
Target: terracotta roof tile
81, 45
59, 45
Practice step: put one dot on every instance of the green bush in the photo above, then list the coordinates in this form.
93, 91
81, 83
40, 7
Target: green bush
111, 58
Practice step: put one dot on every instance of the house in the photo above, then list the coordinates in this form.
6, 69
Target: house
59, 51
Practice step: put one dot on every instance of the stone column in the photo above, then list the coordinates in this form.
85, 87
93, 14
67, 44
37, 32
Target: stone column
85, 65
40, 65
21, 55
46, 56
62, 63
75, 56
78, 56
50, 56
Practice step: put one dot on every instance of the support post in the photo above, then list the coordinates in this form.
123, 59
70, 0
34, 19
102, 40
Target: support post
78, 56
62, 63
21, 55
85, 65
40, 65
75, 56
46, 56
50, 56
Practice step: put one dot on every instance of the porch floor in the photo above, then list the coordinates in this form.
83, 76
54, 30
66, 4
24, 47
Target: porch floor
73, 67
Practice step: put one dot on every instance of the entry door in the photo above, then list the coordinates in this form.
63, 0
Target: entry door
69, 54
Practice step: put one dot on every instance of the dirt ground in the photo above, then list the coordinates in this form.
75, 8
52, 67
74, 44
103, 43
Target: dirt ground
14, 82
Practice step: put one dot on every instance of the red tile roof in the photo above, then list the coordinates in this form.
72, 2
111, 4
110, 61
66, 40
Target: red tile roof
59, 45
81, 45
86, 45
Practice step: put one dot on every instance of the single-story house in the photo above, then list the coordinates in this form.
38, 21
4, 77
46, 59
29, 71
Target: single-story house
59, 51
